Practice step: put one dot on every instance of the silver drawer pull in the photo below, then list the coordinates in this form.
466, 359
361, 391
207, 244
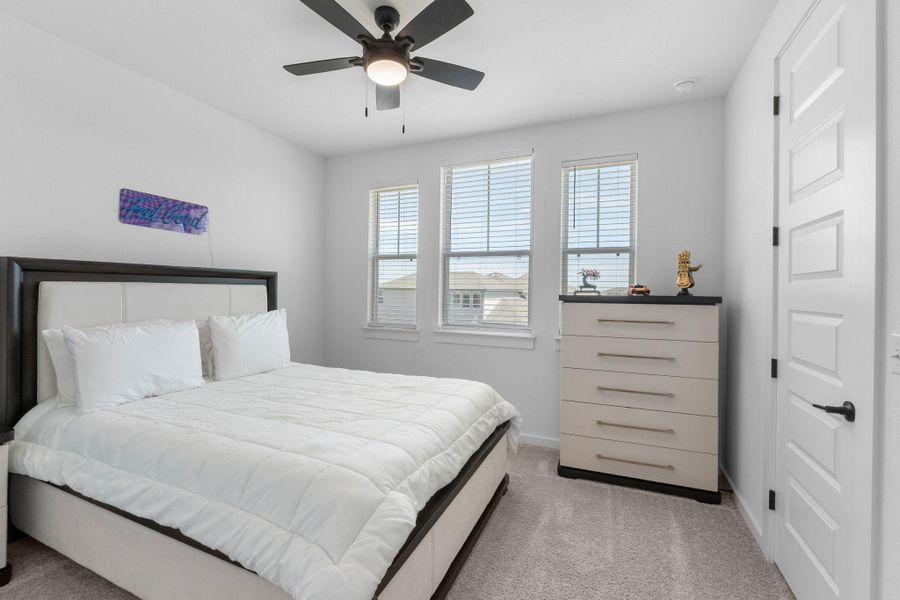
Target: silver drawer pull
642, 428
636, 356
624, 391
636, 462
635, 321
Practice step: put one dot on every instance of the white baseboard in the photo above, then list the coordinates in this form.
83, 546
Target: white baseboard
539, 440
752, 523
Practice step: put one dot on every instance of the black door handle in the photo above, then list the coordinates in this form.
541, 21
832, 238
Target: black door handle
847, 409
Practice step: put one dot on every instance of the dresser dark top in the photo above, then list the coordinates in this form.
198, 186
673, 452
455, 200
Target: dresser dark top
6, 434
688, 300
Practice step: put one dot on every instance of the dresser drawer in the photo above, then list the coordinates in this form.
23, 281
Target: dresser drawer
655, 357
655, 392
656, 321
653, 427
675, 467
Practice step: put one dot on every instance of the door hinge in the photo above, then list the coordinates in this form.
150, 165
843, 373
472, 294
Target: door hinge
774, 368
776, 105
774, 236
771, 499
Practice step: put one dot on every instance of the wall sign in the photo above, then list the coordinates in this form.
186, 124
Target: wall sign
147, 210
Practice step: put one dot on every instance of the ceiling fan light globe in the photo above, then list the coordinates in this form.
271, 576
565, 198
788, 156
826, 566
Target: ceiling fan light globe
387, 72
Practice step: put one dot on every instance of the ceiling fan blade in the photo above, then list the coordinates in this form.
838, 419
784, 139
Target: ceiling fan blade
335, 14
321, 66
435, 20
387, 97
455, 75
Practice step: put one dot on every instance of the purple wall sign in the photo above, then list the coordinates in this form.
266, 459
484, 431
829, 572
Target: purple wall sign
147, 210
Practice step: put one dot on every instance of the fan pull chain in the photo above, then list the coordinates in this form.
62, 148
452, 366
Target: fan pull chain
403, 129
367, 98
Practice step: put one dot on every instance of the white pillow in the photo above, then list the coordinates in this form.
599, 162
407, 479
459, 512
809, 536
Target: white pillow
115, 364
63, 366
249, 344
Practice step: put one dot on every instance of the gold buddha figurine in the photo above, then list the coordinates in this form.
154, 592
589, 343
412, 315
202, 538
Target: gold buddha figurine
685, 277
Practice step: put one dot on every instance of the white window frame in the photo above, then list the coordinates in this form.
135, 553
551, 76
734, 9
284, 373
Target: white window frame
566, 251
372, 295
505, 334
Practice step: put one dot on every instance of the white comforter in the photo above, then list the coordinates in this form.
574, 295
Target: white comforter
310, 476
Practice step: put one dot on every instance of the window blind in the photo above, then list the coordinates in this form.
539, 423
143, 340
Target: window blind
393, 253
598, 223
486, 244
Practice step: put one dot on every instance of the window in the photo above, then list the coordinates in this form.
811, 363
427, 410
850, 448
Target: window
598, 224
486, 244
393, 246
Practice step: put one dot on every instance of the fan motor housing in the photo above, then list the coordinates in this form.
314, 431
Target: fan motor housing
387, 18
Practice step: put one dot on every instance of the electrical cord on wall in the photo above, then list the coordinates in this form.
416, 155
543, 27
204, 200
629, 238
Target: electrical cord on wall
212, 254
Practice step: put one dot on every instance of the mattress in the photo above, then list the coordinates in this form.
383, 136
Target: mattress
310, 476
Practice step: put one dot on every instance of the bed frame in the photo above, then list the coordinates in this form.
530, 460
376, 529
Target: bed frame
35, 506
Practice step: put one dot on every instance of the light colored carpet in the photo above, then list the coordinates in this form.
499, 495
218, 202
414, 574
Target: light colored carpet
573, 539
39, 573
550, 538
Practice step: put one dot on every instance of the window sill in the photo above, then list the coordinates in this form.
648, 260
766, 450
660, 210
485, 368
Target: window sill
499, 339
401, 334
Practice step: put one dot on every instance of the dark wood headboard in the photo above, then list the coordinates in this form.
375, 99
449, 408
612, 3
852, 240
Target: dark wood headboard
20, 279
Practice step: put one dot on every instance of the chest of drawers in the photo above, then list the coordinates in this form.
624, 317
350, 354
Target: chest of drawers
639, 393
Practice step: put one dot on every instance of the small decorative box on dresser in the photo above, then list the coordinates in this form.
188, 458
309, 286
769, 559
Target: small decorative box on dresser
6, 436
640, 392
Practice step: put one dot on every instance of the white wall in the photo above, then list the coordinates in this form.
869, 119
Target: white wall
75, 128
680, 206
890, 498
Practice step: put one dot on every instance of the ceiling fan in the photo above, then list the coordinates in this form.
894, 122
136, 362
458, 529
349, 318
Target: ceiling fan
387, 60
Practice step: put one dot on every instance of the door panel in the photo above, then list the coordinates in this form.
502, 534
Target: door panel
813, 527
826, 301
816, 248
815, 434
817, 160
813, 340
816, 69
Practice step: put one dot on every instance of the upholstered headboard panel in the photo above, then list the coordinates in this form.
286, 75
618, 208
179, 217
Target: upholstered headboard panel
38, 294
84, 304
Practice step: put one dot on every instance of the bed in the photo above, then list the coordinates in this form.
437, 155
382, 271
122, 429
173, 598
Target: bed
392, 478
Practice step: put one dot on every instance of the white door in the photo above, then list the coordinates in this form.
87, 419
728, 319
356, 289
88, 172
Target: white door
826, 284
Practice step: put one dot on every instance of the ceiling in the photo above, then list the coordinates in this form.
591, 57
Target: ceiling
545, 61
